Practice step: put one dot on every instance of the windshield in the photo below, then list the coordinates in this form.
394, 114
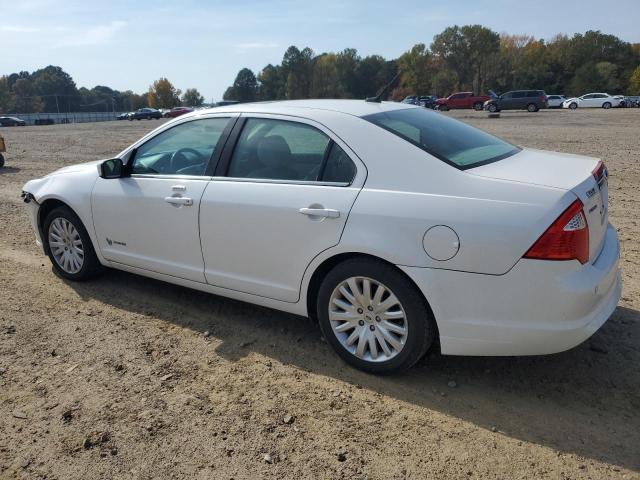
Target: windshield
452, 141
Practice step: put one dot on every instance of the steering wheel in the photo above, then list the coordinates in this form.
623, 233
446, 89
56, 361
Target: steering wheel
181, 153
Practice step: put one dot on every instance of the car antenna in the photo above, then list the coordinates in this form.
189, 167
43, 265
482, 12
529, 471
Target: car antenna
383, 90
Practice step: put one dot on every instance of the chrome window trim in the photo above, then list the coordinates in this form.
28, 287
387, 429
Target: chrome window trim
280, 182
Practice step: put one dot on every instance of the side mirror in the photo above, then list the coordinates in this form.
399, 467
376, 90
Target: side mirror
112, 168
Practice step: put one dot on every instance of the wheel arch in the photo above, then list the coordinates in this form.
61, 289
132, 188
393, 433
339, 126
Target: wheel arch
329, 263
48, 206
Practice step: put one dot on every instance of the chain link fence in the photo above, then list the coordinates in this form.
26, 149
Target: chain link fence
61, 118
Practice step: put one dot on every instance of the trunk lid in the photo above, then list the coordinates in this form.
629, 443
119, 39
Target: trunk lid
565, 171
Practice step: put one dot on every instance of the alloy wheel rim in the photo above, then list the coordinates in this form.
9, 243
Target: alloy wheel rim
66, 245
368, 319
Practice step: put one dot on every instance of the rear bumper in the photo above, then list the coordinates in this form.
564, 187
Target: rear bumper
538, 307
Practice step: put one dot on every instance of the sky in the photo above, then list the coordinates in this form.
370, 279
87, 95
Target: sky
127, 44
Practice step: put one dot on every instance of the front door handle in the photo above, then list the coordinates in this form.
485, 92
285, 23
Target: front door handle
179, 201
320, 212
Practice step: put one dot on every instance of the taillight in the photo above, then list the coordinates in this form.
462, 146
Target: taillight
566, 239
599, 172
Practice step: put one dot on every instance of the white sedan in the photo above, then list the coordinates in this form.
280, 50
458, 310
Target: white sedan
395, 227
592, 100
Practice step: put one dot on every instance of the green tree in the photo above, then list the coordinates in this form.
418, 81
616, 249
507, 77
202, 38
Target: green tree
372, 73
608, 75
25, 97
347, 70
162, 94
192, 98
298, 68
6, 97
634, 82
244, 88
272, 83
467, 50
415, 66
325, 82
57, 89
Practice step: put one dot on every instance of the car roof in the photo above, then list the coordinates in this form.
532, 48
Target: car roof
358, 108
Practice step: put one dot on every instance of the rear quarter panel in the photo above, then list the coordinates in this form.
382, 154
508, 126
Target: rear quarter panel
407, 191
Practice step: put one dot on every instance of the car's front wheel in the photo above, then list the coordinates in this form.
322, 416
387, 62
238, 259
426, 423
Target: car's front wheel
68, 245
493, 108
374, 317
573, 105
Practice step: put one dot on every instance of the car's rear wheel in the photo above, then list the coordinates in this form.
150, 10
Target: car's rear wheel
532, 107
477, 106
573, 105
606, 105
493, 108
374, 317
68, 245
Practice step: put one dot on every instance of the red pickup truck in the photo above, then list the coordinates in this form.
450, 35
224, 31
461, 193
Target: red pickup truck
462, 100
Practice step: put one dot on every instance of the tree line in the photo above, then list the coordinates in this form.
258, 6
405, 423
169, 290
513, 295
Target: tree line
470, 57
51, 89
466, 58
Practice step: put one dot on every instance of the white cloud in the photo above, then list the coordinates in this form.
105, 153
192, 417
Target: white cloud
256, 45
17, 29
95, 35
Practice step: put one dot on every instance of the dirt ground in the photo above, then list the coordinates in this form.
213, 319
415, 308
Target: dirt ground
126, 377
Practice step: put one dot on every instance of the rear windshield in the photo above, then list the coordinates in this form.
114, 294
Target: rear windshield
452, 141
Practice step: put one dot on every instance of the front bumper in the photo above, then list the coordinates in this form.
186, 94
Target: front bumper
538, 307
33, 208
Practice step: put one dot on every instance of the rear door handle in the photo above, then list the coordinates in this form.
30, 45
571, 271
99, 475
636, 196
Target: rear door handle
179, 201
320, 212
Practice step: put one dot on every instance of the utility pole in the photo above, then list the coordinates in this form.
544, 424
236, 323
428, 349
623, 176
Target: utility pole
57, 106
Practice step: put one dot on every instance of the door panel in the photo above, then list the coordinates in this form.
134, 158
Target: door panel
256, 240
150, 223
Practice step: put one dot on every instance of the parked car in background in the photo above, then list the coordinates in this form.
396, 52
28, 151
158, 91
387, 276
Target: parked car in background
145, 113
462, 100
428, 101
592, 100
464, 240
2, 149
555, 101
630, 102
177, 111
12, 122
411, 100
531, 100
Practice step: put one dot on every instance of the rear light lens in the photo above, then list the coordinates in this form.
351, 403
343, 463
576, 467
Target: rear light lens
566, 239
599, 172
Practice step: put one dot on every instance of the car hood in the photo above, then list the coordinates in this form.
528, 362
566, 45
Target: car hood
79, 167
540, 167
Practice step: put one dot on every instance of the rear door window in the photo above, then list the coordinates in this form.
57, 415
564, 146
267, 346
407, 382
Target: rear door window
278, 150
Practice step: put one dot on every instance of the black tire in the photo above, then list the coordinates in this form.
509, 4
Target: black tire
477, 106
1, 161
493, 108
532, 107
606, 105
573, 105
421, 326
91, 265
443, 108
